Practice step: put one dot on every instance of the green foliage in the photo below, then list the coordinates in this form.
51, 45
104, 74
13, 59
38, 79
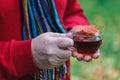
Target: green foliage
105, 14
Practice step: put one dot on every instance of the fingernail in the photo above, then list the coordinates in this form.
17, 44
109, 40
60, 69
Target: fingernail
69, 35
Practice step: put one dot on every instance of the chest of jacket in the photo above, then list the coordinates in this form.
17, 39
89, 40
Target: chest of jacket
10, 6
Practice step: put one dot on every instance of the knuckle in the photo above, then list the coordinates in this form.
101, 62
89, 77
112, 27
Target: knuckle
53, 62
49, 33
58, 40
50, 52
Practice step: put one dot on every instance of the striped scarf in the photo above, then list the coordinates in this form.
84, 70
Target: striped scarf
40, 16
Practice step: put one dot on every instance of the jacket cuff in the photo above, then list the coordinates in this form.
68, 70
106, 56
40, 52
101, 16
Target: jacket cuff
22, 57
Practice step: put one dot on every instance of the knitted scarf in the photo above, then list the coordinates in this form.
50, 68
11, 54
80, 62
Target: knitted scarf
40, 16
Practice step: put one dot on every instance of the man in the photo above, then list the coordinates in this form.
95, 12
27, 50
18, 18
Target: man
20, 58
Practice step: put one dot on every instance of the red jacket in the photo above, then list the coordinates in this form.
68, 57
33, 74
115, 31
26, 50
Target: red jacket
16, 60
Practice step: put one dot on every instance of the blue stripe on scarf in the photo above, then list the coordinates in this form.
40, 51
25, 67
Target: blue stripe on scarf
42, 17
33, 5
57, 19
48, 15
24, 37
32, 23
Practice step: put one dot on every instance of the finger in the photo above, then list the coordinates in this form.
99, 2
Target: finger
57, 61
74, 54
56, 34
96, 55
64, 53
64, 42
72, 49
79, 57
87, 58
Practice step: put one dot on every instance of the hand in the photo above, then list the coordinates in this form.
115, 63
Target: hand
80, 57
51, 49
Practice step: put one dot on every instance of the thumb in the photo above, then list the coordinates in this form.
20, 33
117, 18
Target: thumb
69, 35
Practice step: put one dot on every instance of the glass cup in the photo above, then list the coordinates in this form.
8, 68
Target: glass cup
86, 43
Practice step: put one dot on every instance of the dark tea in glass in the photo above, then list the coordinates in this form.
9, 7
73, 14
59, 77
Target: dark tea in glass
86, 43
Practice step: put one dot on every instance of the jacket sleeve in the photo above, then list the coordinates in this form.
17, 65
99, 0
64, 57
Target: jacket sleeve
74, 14
16, 59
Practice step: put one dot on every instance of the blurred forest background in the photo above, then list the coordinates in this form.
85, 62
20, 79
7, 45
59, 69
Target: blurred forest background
105, 14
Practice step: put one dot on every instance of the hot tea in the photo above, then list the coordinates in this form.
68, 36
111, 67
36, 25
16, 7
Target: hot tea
87, 45
86, 40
